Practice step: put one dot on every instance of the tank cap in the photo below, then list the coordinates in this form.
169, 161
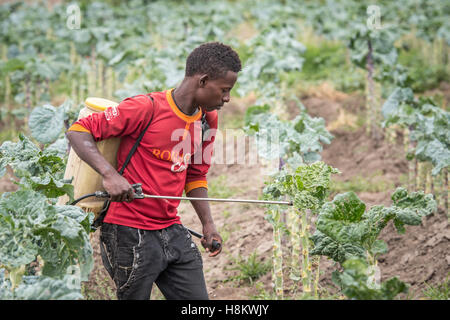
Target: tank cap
99, 104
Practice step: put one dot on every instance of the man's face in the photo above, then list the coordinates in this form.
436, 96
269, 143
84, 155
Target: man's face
213, 94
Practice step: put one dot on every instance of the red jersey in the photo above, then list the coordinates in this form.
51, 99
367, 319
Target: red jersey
171, 156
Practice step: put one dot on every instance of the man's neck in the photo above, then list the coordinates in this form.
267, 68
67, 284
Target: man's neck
184, 98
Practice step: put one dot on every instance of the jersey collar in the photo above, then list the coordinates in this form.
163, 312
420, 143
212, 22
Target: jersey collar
178, 112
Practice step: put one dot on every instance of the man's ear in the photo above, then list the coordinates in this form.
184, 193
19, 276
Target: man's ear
202, 80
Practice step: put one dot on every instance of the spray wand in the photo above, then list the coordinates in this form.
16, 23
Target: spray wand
139, 194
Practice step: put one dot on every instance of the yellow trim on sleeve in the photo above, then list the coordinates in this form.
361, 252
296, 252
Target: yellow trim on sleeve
195, 184
78, 127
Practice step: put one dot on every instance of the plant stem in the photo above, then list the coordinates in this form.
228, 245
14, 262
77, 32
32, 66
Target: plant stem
408, 147
446, 191
91, 79
347, 57
428, 180
391, 135
316, 263
86, 83
104, 70
28, 93
113, 79
94, 71
277, 256
47, 87
73, 93
306, 265
422, 175
370, 90
416, 174
15, 276
438, 188
419, 176
294, 223
8, 93
7, 99
281, 163
37, 90
72, 80
100, 77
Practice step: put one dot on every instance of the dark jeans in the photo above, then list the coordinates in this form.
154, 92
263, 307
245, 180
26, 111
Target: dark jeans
136, 258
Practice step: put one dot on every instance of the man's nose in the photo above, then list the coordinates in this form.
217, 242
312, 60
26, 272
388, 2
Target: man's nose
226, 98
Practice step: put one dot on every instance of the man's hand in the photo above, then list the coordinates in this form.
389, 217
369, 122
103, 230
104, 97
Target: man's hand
204, 213
209, 234
118, 187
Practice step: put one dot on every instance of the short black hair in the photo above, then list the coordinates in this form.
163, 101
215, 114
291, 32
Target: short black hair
214, 59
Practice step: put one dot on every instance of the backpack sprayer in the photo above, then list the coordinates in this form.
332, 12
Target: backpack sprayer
138, 194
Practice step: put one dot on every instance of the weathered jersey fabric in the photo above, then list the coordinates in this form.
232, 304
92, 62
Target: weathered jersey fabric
170, 158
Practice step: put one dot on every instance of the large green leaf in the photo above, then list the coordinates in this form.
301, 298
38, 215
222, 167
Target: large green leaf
46, 123
11, 65
31, 226
50, 186
21, 155
251, 112
336, 250
5, 286
427, 123
60, 147
307, 187
355, 283
436, 152
19, 213
410, 208
378, 43
345, 230
276, 138
46, 288
37, 167
339, 232
399, 96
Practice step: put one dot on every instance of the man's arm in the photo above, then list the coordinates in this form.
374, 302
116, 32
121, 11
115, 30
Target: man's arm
204, 213
85, 147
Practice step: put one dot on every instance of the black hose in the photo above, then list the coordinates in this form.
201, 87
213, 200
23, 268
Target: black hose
81, 198
215, 244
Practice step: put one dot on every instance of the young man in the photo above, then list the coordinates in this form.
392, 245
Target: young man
143, 241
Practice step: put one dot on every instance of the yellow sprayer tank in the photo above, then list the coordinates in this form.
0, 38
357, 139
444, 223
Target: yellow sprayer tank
85, 179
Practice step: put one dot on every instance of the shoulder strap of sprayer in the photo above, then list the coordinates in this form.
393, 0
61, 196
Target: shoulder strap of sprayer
99, 220
205, 127
136, 144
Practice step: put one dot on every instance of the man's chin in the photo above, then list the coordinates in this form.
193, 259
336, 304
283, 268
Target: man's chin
209, 109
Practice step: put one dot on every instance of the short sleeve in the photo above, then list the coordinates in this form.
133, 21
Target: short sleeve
129, 117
